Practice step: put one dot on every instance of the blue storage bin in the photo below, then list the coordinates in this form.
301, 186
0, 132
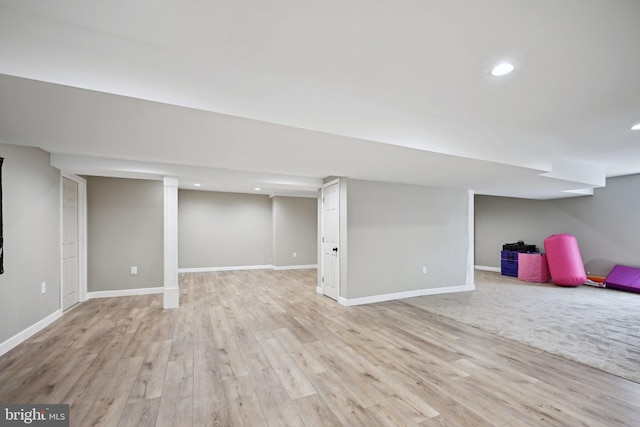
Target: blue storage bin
509, 263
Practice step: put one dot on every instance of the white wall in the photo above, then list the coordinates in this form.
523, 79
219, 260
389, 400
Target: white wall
394, 230
31, 202
295, 229
125, 229
223, 229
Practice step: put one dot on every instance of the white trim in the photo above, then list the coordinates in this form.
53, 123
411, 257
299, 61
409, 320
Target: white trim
448, 290
82, 235
61, 244
232, 268
343, 228
470, 279
319, 252
246, 267
407, 294
22, 336
124, 293
171, 298
170, 247
295, 267
340, 242
487, 268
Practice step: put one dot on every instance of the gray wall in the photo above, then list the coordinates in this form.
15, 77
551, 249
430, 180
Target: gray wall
394, 230
125, 226
223, 229
606, 225
295, 229
31, 201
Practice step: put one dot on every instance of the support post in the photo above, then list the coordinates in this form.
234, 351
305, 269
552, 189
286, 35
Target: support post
171, 290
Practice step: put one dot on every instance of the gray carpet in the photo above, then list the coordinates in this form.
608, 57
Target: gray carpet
598, 327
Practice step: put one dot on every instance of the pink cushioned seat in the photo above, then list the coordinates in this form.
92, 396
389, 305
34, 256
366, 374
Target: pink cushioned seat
533, 268
564, 259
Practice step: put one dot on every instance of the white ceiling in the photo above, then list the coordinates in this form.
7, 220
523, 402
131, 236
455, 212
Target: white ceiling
280, 94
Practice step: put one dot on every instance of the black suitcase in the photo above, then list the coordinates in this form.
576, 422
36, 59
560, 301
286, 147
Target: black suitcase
519, 246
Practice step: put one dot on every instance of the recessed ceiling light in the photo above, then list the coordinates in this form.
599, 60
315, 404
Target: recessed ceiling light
197, 184
502, 69
636, 126
257, 189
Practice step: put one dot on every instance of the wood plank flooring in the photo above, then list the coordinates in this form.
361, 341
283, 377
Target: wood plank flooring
261, 348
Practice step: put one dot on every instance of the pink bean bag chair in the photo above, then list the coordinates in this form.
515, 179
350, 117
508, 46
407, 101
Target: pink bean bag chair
564, 260
533, 268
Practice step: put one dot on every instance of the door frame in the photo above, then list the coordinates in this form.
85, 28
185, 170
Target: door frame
321, 237
82, 236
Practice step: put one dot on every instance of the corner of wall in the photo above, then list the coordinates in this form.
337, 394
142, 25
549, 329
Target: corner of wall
470, 279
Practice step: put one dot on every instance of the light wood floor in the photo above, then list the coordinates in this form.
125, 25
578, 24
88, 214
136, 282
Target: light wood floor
259, 348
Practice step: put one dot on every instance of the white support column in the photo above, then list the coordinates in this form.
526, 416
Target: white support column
470, 238
171, 290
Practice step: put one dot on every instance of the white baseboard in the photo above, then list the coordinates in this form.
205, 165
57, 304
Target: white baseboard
319, 290
231, 268
295, 267
485, 268
245, 267
29, 332
124, 293
448, 290
171, 298
406, 294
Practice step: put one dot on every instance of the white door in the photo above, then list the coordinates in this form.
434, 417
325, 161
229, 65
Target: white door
330, 235
70, 274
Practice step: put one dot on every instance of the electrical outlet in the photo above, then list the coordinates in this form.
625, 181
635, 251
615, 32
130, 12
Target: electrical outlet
44, 287
424, 270
295, 254
134, 270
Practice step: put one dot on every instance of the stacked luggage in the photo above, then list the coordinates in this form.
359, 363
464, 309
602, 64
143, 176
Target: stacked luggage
509, 257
